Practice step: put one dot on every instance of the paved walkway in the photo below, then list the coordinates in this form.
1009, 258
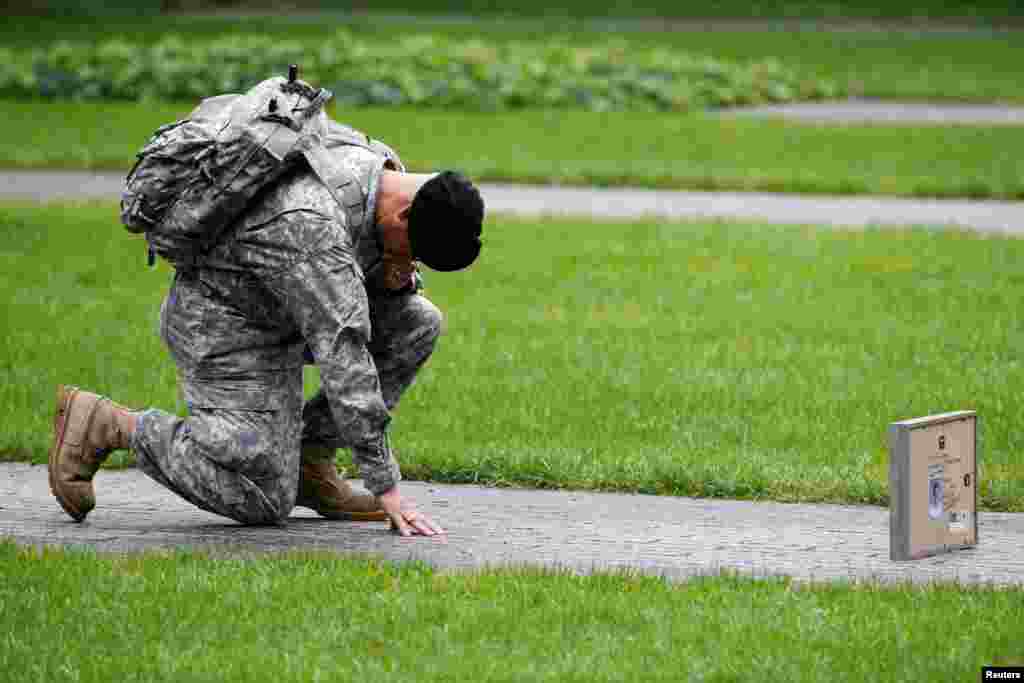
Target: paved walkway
610, 203
877, 111
673, 537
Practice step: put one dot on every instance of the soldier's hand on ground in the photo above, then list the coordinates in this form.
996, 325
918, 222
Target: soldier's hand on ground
405, 519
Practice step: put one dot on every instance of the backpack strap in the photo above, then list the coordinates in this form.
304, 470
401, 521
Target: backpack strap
338, 180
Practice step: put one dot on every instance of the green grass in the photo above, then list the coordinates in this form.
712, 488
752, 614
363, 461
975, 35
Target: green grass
75, 616
891, 63
644, 149
710, 359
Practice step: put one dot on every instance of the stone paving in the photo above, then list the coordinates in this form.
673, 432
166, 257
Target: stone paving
626, 203
660, 535
882, 112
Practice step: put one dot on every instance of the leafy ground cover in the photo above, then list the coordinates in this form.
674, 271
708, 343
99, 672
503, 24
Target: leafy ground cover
880, 62
181, 616
736, 360
697, 151
426, 70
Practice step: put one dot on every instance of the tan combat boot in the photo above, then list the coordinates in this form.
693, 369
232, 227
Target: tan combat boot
86, 428
321, 489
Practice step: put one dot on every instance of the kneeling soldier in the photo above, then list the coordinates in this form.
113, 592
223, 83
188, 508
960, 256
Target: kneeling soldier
296, 280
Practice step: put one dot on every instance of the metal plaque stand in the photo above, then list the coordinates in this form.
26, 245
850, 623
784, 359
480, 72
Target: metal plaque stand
933, 485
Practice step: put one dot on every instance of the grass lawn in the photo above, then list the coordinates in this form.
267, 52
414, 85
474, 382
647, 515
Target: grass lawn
710, 359
697, 151
75, 616
890, 63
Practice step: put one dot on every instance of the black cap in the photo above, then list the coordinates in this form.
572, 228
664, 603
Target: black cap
445, 222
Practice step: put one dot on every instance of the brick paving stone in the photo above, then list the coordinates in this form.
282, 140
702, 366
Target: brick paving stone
630, 203
583, 531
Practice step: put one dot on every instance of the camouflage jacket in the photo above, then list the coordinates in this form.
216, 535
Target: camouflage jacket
295, 264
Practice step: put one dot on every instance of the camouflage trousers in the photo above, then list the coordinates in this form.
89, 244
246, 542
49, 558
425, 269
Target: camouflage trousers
237, 454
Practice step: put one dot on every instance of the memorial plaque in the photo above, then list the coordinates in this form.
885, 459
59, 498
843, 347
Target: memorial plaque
933, 489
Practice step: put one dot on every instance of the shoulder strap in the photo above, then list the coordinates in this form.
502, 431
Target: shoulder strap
338, 180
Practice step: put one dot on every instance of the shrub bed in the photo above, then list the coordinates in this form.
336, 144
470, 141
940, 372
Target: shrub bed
423, 70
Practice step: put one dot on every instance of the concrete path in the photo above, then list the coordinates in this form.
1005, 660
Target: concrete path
881, 112
626, 203
673, 537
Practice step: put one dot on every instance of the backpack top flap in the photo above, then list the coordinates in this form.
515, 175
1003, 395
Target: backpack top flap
280, 116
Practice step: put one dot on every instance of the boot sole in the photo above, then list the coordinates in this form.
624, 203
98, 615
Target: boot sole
363, 516
60, 422
375, 516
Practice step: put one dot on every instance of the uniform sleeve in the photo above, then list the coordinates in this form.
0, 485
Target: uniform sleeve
324, 294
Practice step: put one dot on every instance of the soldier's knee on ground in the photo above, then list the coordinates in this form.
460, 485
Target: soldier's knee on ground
254, 459
271, 505
282, 489
284, 502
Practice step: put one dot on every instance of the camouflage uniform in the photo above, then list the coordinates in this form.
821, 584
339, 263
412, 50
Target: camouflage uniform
285, 286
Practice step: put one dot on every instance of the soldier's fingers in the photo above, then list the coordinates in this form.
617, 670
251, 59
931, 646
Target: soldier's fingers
399, 526
426, 526
415, 520
422, 528
434, 526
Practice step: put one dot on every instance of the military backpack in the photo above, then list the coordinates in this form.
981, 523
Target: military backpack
196, 176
